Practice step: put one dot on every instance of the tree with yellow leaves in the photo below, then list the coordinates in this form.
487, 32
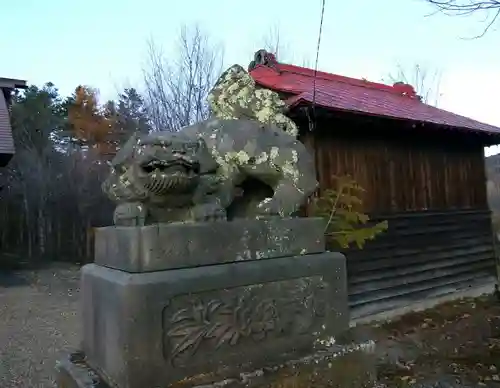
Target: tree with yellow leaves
341, 207
92, 125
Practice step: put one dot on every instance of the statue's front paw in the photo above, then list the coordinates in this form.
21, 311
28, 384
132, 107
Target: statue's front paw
269, 208
208, 212
130, 214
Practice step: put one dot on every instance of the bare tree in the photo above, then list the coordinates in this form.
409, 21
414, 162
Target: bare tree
273, 42
176, 88
490, 8
426, 83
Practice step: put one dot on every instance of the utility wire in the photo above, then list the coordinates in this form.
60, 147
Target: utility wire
312, 123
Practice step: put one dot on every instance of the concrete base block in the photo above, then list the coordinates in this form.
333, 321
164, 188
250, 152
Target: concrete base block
154, 328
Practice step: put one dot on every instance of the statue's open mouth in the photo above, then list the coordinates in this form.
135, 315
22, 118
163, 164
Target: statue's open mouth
170, 176
180, 166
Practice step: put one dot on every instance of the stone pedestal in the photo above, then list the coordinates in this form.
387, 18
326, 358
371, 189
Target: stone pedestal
180, 245
167, 302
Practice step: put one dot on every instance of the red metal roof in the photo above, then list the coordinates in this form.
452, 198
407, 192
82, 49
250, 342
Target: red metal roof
348, 94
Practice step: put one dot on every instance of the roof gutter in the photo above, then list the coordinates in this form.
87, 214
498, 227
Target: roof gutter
12, 83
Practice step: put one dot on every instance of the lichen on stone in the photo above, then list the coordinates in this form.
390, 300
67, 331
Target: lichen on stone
236, 95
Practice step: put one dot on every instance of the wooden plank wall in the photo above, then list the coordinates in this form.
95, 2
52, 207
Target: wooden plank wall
422, 255
6, 139
432, 190
401, 175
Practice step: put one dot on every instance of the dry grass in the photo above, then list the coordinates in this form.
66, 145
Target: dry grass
458, 342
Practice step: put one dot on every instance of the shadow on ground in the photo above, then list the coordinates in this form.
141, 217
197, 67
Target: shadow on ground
16, 271
11, 278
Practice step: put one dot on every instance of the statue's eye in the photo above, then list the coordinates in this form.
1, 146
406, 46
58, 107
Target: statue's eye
192, 147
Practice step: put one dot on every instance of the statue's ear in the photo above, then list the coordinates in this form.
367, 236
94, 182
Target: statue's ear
201, 144
205, 158
126, 151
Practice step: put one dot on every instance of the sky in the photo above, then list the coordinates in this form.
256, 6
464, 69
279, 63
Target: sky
104, 44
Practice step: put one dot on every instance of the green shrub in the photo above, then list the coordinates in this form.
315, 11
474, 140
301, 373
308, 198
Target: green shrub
342, 209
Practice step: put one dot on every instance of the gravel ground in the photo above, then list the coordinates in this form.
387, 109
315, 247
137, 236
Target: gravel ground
38, 323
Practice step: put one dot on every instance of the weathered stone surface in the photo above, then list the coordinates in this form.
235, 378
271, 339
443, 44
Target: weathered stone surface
149, 329
235, 95
212, 170
167, 246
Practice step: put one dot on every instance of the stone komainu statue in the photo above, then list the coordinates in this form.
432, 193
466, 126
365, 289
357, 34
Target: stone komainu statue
243, 162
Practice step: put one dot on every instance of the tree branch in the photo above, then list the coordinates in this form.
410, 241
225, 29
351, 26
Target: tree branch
469, 7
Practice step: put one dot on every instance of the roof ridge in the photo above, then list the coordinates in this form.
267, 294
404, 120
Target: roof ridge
393, 89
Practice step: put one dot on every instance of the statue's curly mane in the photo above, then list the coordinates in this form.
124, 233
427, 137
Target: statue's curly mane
235, 95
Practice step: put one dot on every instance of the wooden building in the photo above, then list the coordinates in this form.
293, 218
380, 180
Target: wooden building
423, 171
7, 85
